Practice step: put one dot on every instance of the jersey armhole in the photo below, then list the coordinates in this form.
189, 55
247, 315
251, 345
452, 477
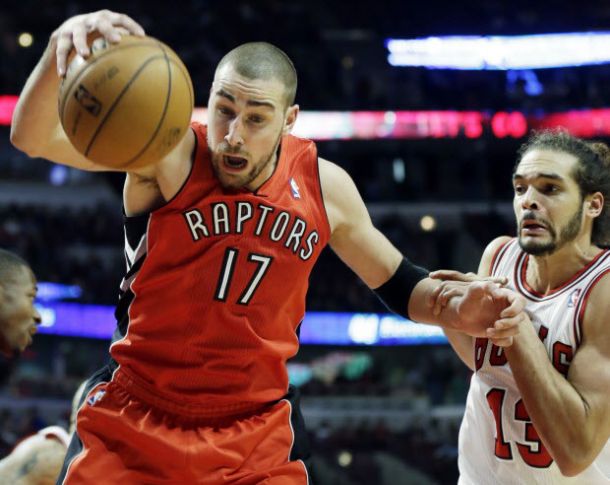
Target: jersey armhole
582, 307
497, 257
318, 185
196, 159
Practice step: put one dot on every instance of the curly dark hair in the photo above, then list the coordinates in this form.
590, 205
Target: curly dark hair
592, 174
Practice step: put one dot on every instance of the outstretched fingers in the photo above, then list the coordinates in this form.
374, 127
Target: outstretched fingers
451, 275
74, 33
129, 24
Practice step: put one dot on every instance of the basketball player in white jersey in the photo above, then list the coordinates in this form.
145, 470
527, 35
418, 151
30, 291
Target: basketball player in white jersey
538, 412
37, 460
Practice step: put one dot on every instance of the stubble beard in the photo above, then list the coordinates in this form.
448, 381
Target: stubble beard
568, 233
237, 182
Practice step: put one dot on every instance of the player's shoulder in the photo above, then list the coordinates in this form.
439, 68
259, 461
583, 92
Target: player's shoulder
56, 433
495, 246
491, 254
40, 443
332, 174
337, 185
597, 304
342, 201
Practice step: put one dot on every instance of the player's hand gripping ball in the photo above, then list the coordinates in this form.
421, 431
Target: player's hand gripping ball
128, 104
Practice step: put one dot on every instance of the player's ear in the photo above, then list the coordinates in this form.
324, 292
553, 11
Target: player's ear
594, 204
291, 118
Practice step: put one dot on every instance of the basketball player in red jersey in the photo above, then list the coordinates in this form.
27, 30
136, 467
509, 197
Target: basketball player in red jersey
539, 411
221, 236
18, 315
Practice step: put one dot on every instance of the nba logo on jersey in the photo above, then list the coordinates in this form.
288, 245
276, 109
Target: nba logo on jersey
295, 189
573, 299
92, 400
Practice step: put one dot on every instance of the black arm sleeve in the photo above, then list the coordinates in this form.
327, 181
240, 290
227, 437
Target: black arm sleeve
396, 292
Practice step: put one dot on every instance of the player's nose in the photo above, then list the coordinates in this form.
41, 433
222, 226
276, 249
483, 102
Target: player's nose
529, 199
234, 136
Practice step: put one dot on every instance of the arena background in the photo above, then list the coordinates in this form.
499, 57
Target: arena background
381, 408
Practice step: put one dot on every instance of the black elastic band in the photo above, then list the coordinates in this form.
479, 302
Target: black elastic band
396, 292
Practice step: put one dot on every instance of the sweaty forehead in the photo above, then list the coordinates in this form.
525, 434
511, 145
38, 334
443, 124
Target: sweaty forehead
244, 89
546, 161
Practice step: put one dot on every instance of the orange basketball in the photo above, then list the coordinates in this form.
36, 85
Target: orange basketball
128, 104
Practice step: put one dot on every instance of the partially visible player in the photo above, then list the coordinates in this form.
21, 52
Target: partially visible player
37, 460
539, 411
18, 315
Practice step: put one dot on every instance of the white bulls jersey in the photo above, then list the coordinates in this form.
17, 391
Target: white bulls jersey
498, 443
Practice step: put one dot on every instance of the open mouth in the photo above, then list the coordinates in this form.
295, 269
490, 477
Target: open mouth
532, 226
234, 163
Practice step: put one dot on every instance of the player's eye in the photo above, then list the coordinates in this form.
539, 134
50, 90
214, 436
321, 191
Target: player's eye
550, 188
223, 110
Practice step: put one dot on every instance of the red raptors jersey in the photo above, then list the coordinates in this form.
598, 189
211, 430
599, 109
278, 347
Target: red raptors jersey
216, 284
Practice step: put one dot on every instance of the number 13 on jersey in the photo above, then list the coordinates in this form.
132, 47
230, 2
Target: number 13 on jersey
533, 451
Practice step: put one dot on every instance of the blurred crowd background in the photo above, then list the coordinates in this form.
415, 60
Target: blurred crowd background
373, 413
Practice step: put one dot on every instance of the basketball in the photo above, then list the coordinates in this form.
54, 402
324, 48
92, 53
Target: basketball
127, 104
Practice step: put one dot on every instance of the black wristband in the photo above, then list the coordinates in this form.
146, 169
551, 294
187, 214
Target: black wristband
396, 292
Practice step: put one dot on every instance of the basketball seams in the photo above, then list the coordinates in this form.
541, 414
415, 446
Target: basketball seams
186, 77
187, 80
118, 99
165, 105
91, 62
141, 138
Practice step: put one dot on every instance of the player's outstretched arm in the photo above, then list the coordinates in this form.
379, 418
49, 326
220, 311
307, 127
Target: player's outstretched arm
571, 414
463, 344
36, 128
376, 261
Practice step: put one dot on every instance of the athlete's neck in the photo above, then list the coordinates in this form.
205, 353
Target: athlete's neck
266, 173
545, 273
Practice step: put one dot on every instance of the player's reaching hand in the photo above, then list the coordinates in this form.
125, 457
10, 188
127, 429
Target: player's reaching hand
453, 283
484, 309
453, 275
504, 329
74, 31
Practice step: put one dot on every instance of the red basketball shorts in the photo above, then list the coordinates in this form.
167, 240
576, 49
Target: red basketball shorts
122, 440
